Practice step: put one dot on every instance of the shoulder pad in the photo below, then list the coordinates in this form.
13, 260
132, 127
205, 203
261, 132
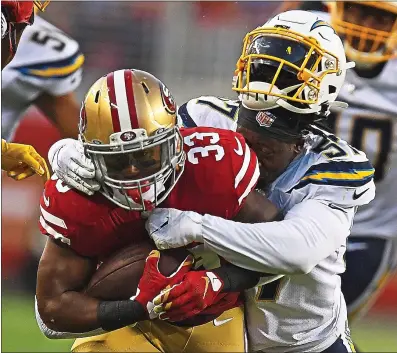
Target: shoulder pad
209, 111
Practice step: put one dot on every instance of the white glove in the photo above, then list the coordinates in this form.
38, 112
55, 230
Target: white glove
171, 228
72, 166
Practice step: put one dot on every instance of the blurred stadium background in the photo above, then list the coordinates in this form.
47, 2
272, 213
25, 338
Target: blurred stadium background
193, 48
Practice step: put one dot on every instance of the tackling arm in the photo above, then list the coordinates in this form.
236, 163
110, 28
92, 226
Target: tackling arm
256, 209
311, 231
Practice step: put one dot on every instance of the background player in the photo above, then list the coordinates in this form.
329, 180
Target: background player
218, 176
19, 161
369, 32
45, 71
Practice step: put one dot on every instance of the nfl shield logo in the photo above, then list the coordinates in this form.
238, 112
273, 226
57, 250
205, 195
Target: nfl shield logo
265, 119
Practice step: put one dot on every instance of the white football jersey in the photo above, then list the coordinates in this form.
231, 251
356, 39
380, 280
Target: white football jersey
300, 312
47, 61
370, 124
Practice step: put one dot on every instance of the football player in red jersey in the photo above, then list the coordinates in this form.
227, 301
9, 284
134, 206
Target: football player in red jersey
142, 159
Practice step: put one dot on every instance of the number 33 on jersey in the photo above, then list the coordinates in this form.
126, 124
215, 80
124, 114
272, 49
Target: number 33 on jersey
220, 165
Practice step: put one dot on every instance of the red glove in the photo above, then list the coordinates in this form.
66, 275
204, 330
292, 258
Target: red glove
224, 302
152, 281
198, 290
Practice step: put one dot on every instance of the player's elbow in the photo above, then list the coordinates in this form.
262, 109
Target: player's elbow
302, 268
40, 313
299, 265
48, 312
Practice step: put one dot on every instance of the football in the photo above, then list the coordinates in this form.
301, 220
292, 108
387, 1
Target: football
118, 276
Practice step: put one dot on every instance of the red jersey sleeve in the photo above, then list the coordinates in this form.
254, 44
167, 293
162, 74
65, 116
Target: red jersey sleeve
220, 172
246, 169
90, 225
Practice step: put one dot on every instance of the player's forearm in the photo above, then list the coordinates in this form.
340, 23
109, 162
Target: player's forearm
310, 232
75, 312
69, 312
237, 279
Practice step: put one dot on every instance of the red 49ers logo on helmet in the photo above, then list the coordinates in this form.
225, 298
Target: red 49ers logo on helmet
168, 99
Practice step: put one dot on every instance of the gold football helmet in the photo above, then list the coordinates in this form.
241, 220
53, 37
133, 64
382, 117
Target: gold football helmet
128, 127
369, 29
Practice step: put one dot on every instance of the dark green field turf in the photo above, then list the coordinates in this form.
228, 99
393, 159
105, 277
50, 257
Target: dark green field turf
21, 334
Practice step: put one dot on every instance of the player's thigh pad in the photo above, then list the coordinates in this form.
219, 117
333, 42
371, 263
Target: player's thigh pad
368, 265
127, 339
224, 334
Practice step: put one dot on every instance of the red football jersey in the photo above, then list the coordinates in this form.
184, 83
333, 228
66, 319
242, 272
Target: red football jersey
220, 171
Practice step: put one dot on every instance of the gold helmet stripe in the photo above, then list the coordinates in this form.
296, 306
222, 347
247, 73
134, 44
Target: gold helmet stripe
122, 101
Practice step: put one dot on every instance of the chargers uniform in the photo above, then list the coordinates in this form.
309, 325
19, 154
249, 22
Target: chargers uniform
299, 312
47, 61
370, 124
220, 171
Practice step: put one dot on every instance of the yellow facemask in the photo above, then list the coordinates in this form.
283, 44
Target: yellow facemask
290, 57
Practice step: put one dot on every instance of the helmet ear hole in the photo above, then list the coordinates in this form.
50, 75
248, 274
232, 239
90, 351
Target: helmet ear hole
97, 96
331, 89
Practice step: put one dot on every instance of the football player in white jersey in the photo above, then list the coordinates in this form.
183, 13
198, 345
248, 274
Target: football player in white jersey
317, 188
294, 71
45, 71
18, 160
369, 32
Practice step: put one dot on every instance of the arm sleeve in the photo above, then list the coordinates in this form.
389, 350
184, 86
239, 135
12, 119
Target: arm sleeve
310, 232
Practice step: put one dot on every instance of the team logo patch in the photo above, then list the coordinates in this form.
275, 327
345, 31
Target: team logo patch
83, 120
168, 99
320, 23
127, 136
265, 119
